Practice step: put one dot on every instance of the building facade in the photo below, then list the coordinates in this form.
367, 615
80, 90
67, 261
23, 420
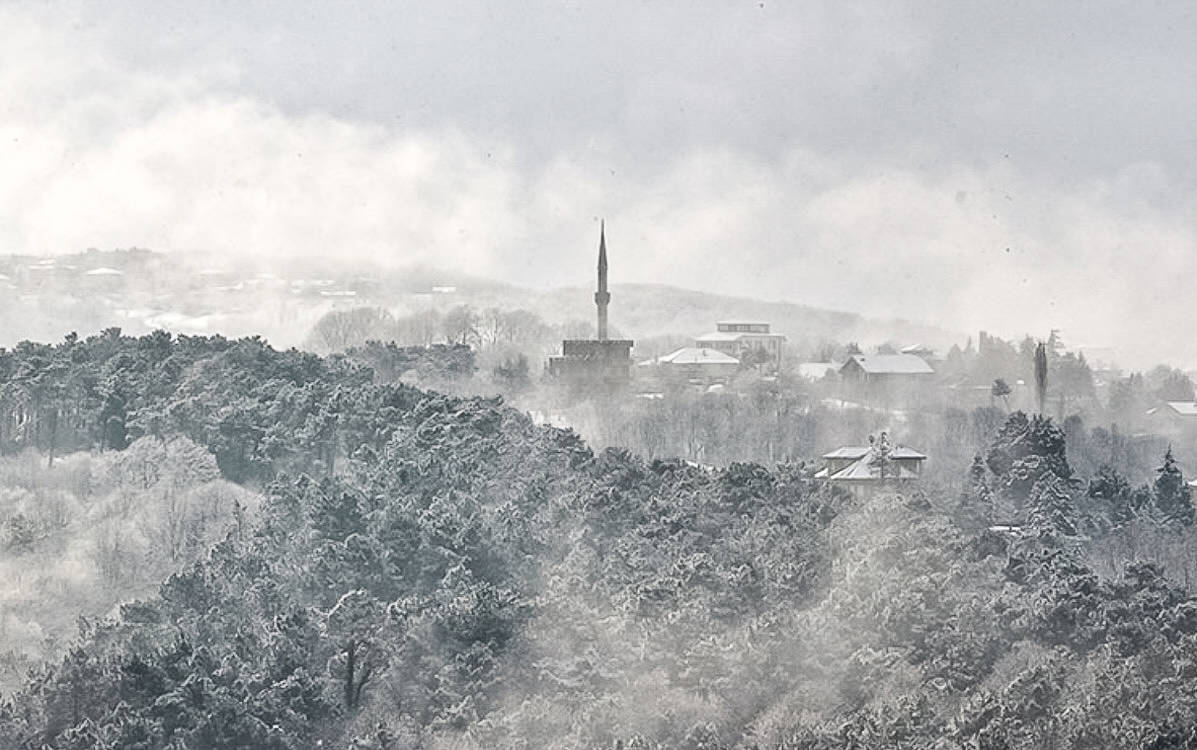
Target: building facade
694, 365
749, 341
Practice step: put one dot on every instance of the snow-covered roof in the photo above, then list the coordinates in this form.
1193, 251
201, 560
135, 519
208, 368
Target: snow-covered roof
860, 451
848, 451
1183, 408
891, 364
104, 271
693, 355
861, 469
816, 370
719, 336
737, 335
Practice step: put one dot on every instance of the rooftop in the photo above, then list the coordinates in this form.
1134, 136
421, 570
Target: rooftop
737, 335
718, 336
1183, 408
860, 451
861, 470
816, 370
884, 364
692, 355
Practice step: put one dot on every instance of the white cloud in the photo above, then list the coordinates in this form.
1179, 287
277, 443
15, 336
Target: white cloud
99, 152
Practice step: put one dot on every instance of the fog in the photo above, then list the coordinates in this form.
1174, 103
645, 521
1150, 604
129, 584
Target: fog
885, 435
961, 166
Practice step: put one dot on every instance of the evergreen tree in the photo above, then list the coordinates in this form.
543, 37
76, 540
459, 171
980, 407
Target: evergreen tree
976, 502
1109, 495
1040, 376
1172, 497
1023, 451
1051, 508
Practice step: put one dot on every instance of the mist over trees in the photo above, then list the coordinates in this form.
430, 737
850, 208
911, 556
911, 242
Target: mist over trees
428, 570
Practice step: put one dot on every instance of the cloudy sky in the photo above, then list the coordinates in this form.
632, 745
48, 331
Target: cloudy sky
1013, 166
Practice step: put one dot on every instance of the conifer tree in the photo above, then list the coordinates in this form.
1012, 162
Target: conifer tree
1051, 508
976, 502
1109, 496
1041, 375
1172, 497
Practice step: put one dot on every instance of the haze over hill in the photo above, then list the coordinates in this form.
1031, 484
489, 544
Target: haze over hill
140, 291
1000, 168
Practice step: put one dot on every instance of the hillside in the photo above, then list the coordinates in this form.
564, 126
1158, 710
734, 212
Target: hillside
140, 291
642, 310
430, 571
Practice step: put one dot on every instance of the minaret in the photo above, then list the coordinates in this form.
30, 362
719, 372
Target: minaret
602, 296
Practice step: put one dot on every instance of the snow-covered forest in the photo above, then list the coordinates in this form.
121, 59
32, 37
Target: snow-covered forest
267, 549
708, 375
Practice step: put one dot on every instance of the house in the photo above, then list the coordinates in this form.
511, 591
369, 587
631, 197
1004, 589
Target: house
885, 378
867, 368
751, 342
1174, 419
1179, 411
817, 370
870, 465
924, 353
695, 364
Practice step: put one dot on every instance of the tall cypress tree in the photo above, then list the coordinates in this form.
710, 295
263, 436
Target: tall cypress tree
1041, 375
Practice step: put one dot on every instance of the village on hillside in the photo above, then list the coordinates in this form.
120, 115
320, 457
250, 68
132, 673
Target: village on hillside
742, 371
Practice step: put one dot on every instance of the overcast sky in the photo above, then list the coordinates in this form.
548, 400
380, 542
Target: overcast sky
1011, 166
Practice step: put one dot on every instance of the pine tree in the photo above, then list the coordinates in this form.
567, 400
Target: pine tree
1172, 496
976, 502
1110, 497
1051, 508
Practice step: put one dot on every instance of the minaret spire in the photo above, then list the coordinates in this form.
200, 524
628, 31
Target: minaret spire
602, 296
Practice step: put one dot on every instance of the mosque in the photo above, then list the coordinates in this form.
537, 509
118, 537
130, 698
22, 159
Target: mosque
601, 363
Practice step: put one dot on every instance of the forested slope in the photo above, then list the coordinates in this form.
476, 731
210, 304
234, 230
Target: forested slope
430, 571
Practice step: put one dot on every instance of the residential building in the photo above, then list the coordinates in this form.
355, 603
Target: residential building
751, 342
872, 465
885, 378
817, 370
694, 364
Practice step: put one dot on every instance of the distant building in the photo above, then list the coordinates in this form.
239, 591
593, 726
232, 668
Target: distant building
884, 367
1174, 419
602, 362
885, 378
1179, 410
817, 370
695, 364
751, 342
104, 271
871, 465
102, 280
924, 353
